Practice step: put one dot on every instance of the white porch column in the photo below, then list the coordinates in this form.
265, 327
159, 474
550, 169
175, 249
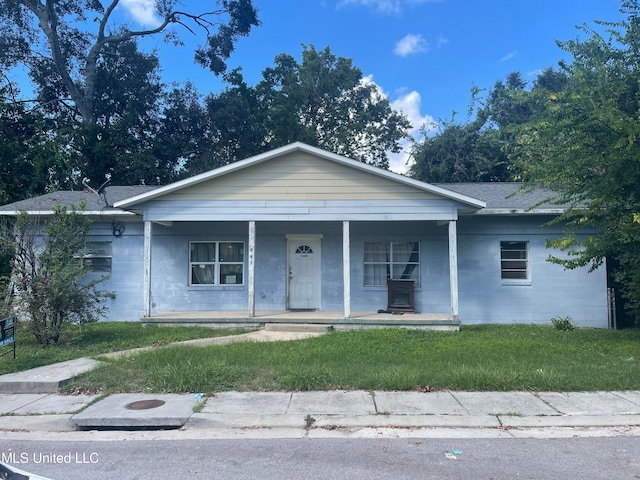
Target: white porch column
147, 268
346, 268
252, 269
453, 267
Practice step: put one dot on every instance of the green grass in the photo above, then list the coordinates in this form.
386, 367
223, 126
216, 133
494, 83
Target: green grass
93, 339
500, 358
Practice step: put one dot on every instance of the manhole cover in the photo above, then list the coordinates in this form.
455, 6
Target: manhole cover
144, 404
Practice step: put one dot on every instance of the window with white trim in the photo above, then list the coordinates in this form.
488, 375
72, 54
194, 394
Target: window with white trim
216, 263
97, 256
391, 260
514, 260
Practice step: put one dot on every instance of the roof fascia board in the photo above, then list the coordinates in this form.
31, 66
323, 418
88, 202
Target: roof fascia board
293, 147
45, 213
517, 211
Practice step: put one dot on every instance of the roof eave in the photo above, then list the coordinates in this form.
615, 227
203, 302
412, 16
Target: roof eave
517, 211
44, 213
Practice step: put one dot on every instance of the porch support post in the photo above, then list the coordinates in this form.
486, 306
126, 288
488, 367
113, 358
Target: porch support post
252, 269
346, 268
453, 267
147, 268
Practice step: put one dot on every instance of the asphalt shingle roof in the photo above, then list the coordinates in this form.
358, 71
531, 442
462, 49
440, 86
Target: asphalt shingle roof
505, 195
66, 198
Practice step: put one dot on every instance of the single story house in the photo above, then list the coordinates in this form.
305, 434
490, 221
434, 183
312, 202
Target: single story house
301, 234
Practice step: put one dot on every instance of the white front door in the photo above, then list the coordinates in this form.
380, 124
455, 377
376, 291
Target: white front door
304, 272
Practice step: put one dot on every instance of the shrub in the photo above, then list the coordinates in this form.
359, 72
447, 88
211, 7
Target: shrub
565, 324
49, 279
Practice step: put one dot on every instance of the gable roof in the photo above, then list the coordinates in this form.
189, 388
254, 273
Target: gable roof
482, 198
273, 155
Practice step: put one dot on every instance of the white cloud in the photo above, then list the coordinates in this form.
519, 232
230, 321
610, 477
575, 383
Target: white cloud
410, 104
508, 56
142, 11
411, 44
384, 6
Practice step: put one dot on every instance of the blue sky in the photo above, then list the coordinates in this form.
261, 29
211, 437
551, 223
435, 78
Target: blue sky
425, 55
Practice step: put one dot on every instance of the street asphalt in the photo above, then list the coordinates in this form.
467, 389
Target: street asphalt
32, 408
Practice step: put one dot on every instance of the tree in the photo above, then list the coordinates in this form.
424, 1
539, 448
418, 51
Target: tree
49, 277
326, 102
459, 153
26, 149
236, 126
63, 42
323, 101
586, 140
183, 133
97, 91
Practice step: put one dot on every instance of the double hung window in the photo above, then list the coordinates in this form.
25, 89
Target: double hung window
391, 260
216, 263
514, 260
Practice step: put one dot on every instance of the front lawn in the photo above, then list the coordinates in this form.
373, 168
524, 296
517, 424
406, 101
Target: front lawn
500, 358
92, 339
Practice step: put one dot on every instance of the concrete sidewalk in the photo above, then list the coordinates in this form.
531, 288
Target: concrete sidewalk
323, 414
31, 407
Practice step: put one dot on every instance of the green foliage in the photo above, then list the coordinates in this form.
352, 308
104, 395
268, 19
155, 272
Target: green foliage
323, 101
481, 149
65, 43
22, 166
52, 285
565, 324
585, 139
459, 153
100, 96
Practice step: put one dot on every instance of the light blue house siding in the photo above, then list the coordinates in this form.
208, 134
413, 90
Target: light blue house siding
126, 277
550, 291
170, 249
483, 296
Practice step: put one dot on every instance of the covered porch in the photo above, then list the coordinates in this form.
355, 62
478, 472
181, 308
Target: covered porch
302, 229
333, 319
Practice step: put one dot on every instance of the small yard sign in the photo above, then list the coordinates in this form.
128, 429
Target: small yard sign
8, 335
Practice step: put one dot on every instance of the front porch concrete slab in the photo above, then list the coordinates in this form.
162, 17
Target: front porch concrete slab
335, 319
113, 412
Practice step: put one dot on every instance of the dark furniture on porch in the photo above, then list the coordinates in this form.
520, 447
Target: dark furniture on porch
400, 296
